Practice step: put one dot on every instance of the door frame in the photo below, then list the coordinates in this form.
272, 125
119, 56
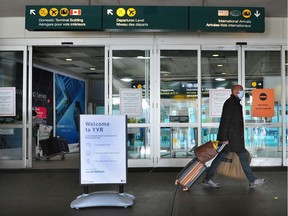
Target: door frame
26, 124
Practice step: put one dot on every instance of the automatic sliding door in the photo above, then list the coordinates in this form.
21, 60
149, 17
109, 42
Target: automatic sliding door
179, 101
13, 112
130, 95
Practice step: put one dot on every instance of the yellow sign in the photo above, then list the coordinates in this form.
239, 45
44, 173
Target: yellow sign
43, 12
53, 12
131, 12
64, 12
263, 102
120, 12
246, 13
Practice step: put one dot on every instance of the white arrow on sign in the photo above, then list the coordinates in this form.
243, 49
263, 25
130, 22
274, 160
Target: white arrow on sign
109, 11
32, 11
257, 14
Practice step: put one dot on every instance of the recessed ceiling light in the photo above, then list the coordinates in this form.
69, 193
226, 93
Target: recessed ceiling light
220, 79
92, 69
223, 73
126, 79
220, 65
215, 55
68, 59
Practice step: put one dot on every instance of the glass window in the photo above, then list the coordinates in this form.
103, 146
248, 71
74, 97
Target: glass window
286, 77
219, 70
11, 75
178, 90
262, 71
178, 102
131, 70
177, 142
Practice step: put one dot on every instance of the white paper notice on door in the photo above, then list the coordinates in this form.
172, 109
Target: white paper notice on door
130, 102
7, 101
217, 98
103, 158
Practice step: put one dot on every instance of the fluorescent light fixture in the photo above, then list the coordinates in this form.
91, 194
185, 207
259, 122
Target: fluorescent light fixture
220, 65
68, 59
142, 57
126, 79
220, 79
92, 69
215, 55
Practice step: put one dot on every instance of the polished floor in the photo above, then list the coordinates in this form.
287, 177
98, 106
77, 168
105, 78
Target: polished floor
48, 191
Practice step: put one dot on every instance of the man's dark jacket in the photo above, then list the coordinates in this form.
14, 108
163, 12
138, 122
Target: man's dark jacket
231, 125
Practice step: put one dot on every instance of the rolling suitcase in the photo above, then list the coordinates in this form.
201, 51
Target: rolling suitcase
190, 173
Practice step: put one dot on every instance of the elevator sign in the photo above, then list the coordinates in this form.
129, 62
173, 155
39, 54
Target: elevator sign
69, 18
227, 19
120, 18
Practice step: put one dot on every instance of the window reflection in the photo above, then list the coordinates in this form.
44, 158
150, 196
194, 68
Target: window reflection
219, 70
131, 70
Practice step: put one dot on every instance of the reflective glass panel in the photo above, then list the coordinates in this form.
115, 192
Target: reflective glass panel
219, 70
131, 95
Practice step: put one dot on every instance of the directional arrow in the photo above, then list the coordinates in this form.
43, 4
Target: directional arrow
32, 11
257, 14
109, 11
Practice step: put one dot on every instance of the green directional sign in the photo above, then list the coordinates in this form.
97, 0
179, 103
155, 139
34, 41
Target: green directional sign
227, 19
139, 18
69, 18
145, 18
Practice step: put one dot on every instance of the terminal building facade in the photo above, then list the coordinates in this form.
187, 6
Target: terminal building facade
170, 79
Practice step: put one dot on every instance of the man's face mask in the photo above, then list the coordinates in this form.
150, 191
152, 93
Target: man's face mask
241, 94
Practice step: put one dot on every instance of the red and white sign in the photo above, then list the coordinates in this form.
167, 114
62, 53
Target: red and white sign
41, 112
75, 12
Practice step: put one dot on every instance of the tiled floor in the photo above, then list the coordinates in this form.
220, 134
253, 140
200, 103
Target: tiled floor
50, 192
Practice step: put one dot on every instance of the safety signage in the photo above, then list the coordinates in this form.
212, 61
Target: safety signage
227, 19
263, 102
64, 18
145, 18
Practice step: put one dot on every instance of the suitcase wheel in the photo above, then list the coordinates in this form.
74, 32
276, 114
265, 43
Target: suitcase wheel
176, 182
184, 189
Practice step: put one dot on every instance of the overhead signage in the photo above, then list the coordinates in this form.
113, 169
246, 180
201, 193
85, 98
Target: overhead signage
227, 19
64, 18
145, 18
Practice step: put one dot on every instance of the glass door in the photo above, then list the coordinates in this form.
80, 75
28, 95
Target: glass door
130, 93
178, 110
263, 131
13, 113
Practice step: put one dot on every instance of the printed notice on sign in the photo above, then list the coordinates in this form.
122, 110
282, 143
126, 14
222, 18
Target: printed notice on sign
103, 149
263, 102
7, 101
130, 102
217, 99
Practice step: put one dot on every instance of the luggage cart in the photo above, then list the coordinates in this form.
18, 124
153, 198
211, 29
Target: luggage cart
49, 146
